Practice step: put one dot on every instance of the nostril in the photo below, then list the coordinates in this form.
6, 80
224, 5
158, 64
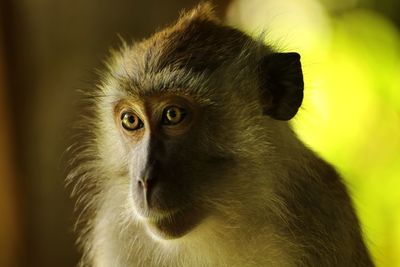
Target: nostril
145, 183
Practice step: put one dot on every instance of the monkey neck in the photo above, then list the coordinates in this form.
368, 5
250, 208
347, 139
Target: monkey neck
220, 246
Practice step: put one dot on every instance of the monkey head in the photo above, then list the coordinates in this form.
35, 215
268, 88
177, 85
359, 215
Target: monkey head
185, 111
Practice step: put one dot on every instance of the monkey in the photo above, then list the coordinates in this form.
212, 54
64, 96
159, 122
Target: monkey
185, 157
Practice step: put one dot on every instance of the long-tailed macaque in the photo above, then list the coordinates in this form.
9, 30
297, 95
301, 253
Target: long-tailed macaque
185, 158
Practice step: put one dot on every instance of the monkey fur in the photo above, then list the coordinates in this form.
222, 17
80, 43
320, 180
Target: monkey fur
230, 184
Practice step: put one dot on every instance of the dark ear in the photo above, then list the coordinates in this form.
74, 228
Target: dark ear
282, 85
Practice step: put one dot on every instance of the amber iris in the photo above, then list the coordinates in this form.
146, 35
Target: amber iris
131, 121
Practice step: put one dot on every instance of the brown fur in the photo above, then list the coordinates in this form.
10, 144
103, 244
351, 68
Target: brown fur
265, 199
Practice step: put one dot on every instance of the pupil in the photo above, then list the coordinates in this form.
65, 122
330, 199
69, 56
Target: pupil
172, 113
131, 119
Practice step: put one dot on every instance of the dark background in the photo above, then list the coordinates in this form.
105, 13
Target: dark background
49, 49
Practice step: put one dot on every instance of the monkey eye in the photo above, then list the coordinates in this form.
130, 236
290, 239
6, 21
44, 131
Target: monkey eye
173, 115
131, 121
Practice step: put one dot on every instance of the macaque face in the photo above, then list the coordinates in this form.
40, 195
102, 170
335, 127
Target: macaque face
167, 170
189, 117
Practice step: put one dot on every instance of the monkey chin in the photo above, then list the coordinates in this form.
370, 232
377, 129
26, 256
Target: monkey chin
173, 226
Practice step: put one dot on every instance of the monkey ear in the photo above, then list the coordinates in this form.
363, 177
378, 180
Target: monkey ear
282, 85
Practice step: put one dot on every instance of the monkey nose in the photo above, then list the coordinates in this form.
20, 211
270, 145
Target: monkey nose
144, 183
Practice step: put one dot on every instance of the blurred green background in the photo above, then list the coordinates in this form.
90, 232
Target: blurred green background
351, 113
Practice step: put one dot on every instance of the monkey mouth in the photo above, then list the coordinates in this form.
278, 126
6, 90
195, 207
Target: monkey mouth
175, 224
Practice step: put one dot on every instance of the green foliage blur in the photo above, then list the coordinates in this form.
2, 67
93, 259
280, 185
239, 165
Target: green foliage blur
351, 111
